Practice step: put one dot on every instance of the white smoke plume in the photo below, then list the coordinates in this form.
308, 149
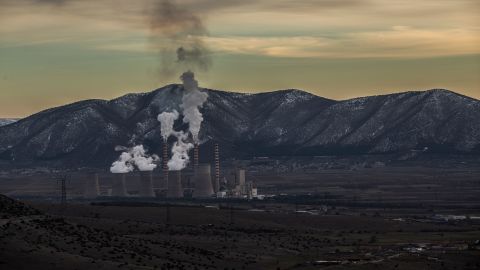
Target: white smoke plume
122, 165
192, 100
135, 157
180, 150
167, 119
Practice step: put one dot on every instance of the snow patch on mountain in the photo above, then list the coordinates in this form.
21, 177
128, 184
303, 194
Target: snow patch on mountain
7, 121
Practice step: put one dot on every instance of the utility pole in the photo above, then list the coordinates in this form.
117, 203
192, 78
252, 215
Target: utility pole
62, 181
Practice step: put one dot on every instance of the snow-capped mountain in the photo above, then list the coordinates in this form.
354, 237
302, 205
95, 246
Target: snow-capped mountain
287, 122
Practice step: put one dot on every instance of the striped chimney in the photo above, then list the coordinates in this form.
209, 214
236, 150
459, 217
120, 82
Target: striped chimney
217, 168
165, 165
195, 157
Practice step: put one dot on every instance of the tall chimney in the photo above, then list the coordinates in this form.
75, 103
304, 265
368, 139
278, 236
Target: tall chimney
165, 165
216, 184
195, 157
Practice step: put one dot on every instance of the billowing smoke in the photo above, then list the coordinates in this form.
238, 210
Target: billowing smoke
177, 29
135, 157
181, 31
195, 56
180, 150
123, 164
192, 101
167, 119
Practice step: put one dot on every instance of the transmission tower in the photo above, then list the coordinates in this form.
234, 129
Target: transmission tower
63, 189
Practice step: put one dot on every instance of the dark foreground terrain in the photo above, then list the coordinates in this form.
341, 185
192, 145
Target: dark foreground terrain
376, 218
82, 236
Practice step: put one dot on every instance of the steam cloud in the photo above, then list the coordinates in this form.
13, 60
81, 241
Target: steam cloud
167, 119
192, 100
180, 148
135, 157
182, 32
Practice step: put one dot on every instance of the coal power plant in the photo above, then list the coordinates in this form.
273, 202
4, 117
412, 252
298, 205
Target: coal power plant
198, 181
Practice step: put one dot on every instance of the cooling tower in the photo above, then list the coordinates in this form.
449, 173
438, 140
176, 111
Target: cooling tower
92, 188
118, 185
146, 184
175, 189
203, 182
240, 177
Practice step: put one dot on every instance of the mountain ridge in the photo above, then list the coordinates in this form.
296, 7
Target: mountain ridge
284, 122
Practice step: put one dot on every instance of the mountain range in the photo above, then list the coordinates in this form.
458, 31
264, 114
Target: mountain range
280, 123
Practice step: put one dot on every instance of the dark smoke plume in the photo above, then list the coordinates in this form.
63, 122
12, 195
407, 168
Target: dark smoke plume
178, 30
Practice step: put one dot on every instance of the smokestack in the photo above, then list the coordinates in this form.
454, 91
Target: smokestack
92, 188
165, 165
216, 184
203, 182
118, 185
146, 184
175, 189
195, 158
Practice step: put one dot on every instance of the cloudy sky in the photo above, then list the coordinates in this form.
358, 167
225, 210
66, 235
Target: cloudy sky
58, 51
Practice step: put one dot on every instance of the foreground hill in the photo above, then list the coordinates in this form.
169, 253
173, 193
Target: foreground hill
288, 122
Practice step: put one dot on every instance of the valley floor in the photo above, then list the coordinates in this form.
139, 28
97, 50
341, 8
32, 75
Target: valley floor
384, 218
83, 236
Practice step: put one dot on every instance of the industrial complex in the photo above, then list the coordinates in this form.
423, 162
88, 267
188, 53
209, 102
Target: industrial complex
195, 181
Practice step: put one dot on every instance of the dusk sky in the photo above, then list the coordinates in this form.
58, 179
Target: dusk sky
60, 51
